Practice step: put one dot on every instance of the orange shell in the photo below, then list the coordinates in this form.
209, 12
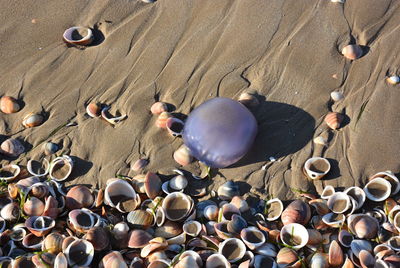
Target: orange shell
333, 120
9, 105
159, 107
297, 212
162, 120
93, 110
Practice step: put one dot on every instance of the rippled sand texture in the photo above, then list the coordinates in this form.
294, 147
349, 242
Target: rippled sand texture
185, 52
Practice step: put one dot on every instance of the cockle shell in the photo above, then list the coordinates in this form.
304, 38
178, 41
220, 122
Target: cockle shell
9, 105
120, 229
232, 249
314, 238
390, 177
51, 208
177, 206
274, 209
77, 35
333, 120
105, 114
228, 190
248, 100
79, 196
53, 243
296, 212
378, 189
61, 168
159, 107
12, 147
80, 253
33, 206
139, 238
394, 79
40, 225
152, 184
169, 229
9, 172
118, 191
336, 96
140, 219
93, 110
352, 52
294, 235
182, 156
18, 232
192, 228
99, 238
339, 202
114, 259
286, 256
174, 126
316, 167
32, 120
162, 119
61, 261
240, 203
155, 244
252, 237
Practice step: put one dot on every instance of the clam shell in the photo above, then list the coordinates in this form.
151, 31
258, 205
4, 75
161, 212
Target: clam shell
18, 232
296, 212
160, 216
120, 229
319, 260
236, 224
61, 168
93, 110
34, 206
217, 261
32, 120
61, 261
139, 239
316, 167
260, 261
248, 100
158, 263
51, 208
221, 229
77, 35
194, 255
39, 190
294, 235
394, 79
327, 192
159, 107
53, 243
334, 220
105, 114
182, 156
336, 256
345, 238
366, 259
139, 164
352, 52
232, 249
162, 119
177, 206
155, 244
31, 241
390, 177
394, 243
252, 237
37, 168
314, 238
211, 212
339, 202
396, 222
50, 148
178, 182
174, 126
12, 147
179, 239
334, 120
337, 96
118, 191
378, 189
320, 206
228, 210
152, 184
275, 209
79, 196
228, 190
99, 238
393, 212
358, 245
169, 229
80, 252
9, 172
140, 219
10, 212
39, 225
192, 228
81, 220
286, 256
9, 105
358, 194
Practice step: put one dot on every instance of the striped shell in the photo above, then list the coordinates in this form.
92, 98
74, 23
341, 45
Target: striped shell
32, 120
352, 52
333, 120
9, 105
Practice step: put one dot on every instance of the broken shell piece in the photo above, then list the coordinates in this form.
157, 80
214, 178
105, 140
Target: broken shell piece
327, 192
61, 168
82, 36
232, 249
32, 120
105, 114
317, 167
192, 228
378, 189
174, 126
248, 99
352, 52
159, 107
80, 253
38, 169
182, 156
9, 105
294, 235
93, 110
334, 120
12, 147
162, 119
40, 225
394, 79
320, 140
274, 209
9, 172
339, 202
336, 96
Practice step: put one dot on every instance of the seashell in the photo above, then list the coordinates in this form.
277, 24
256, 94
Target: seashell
192, 254
314, 238
179, 239
152, 184
159, 107
174, 126
248, 100
37, 168
381, 248
228, 190
9, 172
358, 194
34, 206
334, 120
337, 96
118, 191
381, 264
139, 239
327, 192
390, 177
169, 229
18, 232
24, 261
12, 147
60, 261
240, 203
260, 261
228, 210
358, 245
196, 243
394, 80
236, 224
221, 229
32, 120
320, 206
13, 190
182, 156
31, 241
217, 261
178, 182
93, 110
177, 206
3, 225
140, 219
393, 212
232, 249
120, 229
187, 262
161, 263
274, 209
50, 148
336, 256
77, 35
252, 237
39, 190
319, 260
139, 164
10, 212
138, 183
105, 114
99, 238
352, 52
162, 120
40, 225
338, 1
366, 259
393, 260
339, 202
345, 238
377, 189
209, 225
9, 105
51, 208
394, 243
53, 243
192, 228
79, 196
320, 140
82, 220
61, 168
296, 212
211, 212
80, 252
286, 256
334, 220
294, 235
316, 167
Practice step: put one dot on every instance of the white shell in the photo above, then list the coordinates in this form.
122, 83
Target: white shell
192, 228
313, 173
109, 118
85, 40
396, 221
211, 212
15, 172
358, 194
46, 166
178, 182
338, 1
339, 197
217, 261
257, 234
279, 202
393, 213
174, 132
377, 197
229, 243
296, 230
119, 187
390, 177
394, 79
333, 220
327, 192
62, 160
336, 95
85, 247
61, 261
394, 243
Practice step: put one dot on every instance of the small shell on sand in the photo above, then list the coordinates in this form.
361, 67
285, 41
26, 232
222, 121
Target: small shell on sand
320, 140
77, 35
159, 107
338, 1
93, 110
336, 96
333, 120
139, 164
394, 79
12, 147
149, 1
9, 105
32, 120
352, 52
162, 119
182, 156
50, 148
248, 99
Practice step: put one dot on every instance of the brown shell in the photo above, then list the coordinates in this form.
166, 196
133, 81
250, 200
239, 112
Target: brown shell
336, 257
286, 256
139, 164
352, 52
162, 119
152, 184
99, 238
297, 212
333, 120
79, 196
9, 105
93, 110
182, 156
53, 243
139, 239
34, 206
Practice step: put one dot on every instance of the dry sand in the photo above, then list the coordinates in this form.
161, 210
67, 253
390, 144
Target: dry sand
185, 52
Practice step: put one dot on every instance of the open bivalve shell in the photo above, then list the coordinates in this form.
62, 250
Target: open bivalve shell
316, 167
9, 172
80, 252
37, 168
61, 168
192, 228
40, 225
294, 235
177, 206
78, 35
327, 192
394, 243
174, 126
378, 189
118, 191
390, 177
339, 202
82, 220
217, 261
358, 194
31, 241
140, 219
232, 249
345, 238
363, 226
275, 209
252, 237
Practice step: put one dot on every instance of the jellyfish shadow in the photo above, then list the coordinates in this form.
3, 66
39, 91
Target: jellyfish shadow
283, 129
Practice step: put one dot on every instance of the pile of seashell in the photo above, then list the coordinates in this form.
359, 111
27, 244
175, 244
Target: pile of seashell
152, 221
